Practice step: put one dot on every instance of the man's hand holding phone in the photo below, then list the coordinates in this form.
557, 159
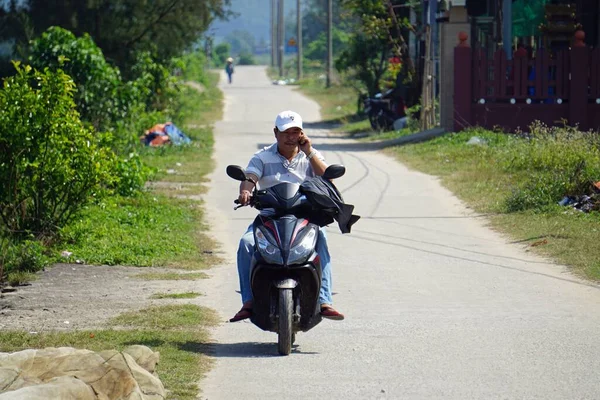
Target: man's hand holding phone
304, 144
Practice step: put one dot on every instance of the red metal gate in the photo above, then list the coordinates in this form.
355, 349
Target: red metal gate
512, 94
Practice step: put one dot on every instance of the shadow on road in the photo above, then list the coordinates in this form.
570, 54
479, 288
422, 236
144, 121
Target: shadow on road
372, 146
328, 125
238, 350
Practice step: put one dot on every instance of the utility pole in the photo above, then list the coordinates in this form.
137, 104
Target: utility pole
273, 34
299, 40
281, 38
208, 47
329, 41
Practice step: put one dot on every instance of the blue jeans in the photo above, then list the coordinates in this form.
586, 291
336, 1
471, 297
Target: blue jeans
244, 261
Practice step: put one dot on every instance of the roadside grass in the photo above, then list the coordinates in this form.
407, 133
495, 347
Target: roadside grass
377, 136
183, 163
338, 102
565, 235
178, 333
171, 276
158, 227
179, 189
361, 126
147, 230
186, 295
519, 183
20, 278
171, 317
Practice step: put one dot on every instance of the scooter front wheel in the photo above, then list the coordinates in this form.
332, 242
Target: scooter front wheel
286, 307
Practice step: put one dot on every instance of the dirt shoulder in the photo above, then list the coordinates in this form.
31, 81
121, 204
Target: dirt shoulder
74, 297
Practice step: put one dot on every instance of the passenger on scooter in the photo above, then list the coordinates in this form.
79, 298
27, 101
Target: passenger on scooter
290, 159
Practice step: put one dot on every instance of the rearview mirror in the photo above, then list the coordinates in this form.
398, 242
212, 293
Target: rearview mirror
334, 171
236, 172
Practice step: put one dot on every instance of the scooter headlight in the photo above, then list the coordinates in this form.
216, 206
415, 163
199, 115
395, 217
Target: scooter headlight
306, 244
267, 249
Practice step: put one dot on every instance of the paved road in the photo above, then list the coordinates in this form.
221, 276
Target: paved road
437, 305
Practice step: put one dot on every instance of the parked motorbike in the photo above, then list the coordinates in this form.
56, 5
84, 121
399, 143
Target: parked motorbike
383, 110
286, 269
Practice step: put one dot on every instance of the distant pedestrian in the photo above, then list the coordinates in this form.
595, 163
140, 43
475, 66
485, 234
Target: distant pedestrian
229, 68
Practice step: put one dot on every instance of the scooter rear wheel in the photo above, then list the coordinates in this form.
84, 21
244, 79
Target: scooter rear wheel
286, 306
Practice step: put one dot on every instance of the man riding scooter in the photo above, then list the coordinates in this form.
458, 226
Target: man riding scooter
290, 159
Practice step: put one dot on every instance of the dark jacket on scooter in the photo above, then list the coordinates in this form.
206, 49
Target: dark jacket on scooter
328, 204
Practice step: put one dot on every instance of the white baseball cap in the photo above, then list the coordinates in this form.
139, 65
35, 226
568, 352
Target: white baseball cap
288, 119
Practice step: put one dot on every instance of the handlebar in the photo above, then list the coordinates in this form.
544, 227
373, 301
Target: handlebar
236, 201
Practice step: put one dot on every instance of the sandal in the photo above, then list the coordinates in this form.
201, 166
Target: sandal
331, 313
244, 313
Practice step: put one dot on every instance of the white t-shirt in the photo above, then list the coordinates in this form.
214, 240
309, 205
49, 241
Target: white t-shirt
272, 168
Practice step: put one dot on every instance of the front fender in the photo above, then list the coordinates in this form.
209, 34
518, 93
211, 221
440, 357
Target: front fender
286, 284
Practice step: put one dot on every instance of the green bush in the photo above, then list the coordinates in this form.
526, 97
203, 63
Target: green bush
154, 82
50, 163
19, 260
537, 193
557, 162
131, 175
25, 256
192, 66
101, 96
246, 59
220, 54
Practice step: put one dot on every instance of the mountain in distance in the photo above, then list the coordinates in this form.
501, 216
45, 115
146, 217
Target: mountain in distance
253, 16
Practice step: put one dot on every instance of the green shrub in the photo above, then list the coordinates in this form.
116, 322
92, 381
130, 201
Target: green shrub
101, 96
192, 66
154, 82
557, 162
50, 163
537, 193
20, 278
220, 54
19, 259
246, 59
131, 175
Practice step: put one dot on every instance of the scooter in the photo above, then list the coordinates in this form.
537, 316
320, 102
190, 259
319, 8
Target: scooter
383, 110
286, 269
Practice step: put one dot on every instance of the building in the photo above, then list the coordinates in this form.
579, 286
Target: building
492, 79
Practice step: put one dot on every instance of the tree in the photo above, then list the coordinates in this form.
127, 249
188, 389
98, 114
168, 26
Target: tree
119, 28
314, 19
221, 53
366, 60
378, 35
241, 42
317, 49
